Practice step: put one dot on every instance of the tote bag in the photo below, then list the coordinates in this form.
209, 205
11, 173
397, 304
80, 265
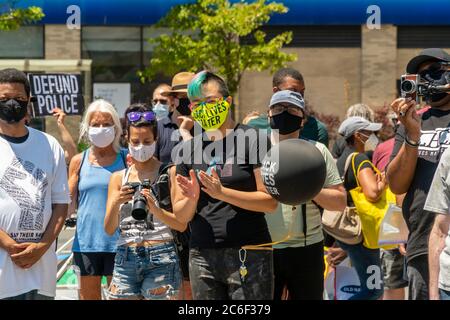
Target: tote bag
371, 214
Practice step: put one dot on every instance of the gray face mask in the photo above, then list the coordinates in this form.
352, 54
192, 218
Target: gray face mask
161, 110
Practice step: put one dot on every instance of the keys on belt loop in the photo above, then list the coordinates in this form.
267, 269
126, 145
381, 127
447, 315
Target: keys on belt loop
243, 269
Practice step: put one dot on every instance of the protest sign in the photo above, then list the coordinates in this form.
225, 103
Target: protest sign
56, 90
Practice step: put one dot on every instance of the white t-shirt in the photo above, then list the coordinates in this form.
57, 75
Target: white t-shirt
438, 201
33, 176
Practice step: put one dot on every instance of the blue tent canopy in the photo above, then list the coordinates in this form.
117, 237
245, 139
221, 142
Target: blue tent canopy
301, 12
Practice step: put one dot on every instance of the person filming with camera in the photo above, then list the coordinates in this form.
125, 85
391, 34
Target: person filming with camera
146, 263
420, 141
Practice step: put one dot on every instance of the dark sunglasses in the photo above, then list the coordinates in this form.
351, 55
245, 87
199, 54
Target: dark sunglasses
137, 115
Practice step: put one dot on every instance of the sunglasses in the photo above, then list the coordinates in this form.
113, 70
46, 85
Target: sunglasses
136, 116
434, 67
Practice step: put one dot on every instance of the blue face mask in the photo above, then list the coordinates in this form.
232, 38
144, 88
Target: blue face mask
161, 111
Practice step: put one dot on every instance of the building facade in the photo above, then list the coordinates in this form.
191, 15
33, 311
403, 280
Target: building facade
343, 55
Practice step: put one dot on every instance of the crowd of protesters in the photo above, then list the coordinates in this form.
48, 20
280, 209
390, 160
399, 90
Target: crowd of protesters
222, 236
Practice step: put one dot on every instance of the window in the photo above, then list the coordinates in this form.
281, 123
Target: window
115, 52
315, 36
25, 43
423, 36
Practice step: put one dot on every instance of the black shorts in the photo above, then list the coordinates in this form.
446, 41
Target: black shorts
94, 263
183, 255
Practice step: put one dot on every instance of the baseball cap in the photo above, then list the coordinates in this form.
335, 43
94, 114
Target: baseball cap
180, 83
353, 124
287, 96
425, 55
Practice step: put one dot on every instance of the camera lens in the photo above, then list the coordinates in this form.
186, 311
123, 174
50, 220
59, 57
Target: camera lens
139, 210
408, 86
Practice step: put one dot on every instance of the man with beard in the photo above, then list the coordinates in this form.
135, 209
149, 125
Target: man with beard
419, 143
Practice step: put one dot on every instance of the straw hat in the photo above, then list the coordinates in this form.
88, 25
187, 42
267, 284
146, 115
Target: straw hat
179, 83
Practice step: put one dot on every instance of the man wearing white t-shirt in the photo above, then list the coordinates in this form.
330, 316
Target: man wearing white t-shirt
33, 197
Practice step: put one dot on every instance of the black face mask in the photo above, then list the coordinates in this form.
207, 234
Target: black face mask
285, 122
437, 77
12, 110
183, 107
436, 97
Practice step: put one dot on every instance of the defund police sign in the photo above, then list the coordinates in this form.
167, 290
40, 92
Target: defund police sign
56, 91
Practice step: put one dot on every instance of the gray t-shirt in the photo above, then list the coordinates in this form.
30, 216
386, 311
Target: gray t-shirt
438, 201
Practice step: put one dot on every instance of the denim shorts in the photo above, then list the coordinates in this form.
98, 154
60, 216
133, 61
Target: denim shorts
151, 273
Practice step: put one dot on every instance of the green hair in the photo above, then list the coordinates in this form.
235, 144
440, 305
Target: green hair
196, 85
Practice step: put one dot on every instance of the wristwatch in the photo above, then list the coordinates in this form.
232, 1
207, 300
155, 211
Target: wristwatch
412, 143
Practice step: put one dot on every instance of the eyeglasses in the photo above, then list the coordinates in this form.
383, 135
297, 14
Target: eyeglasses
194, 105
162, 101
278, 108
136, 116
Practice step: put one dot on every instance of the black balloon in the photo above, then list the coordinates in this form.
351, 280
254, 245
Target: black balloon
293, 171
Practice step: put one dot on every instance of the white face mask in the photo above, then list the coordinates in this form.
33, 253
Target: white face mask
142, 152
101, 137
161, 110
371, 143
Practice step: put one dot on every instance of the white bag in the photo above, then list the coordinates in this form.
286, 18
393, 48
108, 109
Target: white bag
393, 229
343, 282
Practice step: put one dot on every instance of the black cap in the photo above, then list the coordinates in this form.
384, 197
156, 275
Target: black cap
425, 55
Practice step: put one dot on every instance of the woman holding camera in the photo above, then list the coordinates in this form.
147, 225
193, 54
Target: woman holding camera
89, 174
146, 262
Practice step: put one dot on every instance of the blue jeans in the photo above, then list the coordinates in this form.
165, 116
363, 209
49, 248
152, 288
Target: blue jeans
367, 263
445, 295
30, 295
149, 272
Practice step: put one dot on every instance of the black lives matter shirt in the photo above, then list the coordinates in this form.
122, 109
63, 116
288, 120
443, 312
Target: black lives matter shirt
434, 140
218, 224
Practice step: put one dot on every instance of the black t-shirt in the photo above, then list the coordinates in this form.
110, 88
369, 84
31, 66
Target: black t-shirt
434, 140
350, 179
218, 224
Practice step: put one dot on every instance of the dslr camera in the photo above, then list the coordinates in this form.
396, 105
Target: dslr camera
139, 209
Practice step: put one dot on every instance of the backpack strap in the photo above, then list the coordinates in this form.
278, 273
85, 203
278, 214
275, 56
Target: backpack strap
305, 228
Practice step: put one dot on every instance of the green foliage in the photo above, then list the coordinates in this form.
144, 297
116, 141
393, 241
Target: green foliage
12, 18
205, 35
82, 146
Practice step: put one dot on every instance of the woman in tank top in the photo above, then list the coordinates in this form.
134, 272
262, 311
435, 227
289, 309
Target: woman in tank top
89, 174
146, 263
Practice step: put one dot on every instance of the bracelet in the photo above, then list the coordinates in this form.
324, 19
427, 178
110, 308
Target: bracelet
409, 143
